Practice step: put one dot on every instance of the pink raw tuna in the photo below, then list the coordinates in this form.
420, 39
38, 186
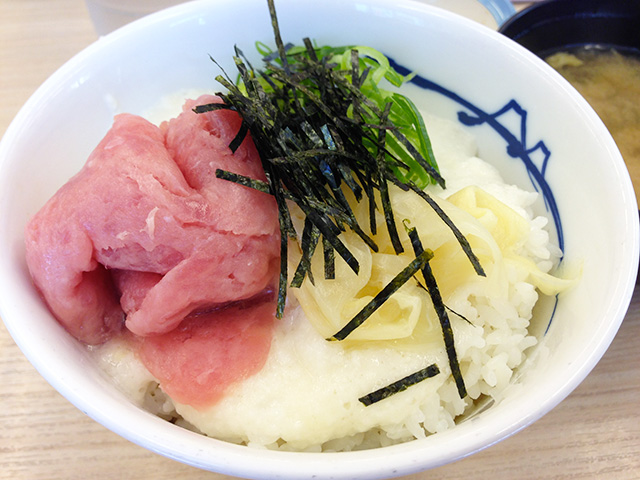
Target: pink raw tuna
147, 218
198, 361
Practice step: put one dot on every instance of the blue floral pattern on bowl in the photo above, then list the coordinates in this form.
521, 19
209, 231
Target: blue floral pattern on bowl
516, 142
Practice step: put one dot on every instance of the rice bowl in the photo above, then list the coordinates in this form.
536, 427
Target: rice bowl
500, 418
303, 398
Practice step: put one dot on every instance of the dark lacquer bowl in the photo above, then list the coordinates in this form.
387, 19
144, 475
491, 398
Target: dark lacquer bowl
551, 25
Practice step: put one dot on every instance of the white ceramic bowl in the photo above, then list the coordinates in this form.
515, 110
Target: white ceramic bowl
481, 72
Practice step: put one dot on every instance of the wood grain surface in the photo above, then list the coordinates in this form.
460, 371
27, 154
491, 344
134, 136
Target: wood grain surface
593, 434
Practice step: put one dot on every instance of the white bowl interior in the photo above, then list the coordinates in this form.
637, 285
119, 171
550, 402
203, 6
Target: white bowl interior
130, 69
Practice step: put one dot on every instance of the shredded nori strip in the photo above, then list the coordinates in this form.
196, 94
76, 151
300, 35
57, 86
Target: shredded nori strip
329, 261
310, 237
243, 180
458, 314
441, 311
384, 187
398, 281
400, 385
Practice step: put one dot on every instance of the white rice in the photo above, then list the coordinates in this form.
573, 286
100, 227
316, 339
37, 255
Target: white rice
306, 396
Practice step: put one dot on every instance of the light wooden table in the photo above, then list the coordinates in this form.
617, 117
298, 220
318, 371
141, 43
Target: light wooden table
594, 434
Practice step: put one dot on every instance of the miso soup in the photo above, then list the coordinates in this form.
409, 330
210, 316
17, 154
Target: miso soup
610, 82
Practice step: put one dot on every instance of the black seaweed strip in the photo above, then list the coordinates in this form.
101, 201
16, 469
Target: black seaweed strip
315, 177
450, 310
400, 279
369, 188
210, 107
438, 305
243, 180
373, 224
274, 56
348, 214
400, 385
326, 227
313, 135
393, 159
361, 233
459, 315
365, 74
327, 169
245, 60
321, 71
300, 195
268, 79
356, 80
286, 140
278, 39
419, 158
284, 253
310, 50
239, 138
329, 260
302, 174
355, 103
384, 188
346, 175
342, 122
328, 138
226, 77
309, 241
336, 142
254, 91
296, 157
243, 71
